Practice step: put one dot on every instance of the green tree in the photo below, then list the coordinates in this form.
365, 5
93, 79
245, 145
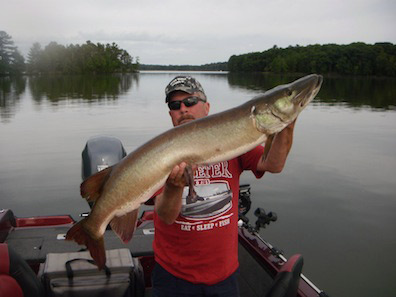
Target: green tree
18, 62
6, 49
34, 58
279, 65
52, 58
11, 61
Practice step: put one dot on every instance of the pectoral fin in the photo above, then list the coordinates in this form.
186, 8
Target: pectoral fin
189, 177
125, 225
268, 145
91, 188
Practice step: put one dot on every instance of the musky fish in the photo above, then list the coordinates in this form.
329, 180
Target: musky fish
118, 191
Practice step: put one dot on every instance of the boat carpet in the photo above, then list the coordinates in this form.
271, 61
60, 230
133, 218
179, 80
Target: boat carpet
254, 280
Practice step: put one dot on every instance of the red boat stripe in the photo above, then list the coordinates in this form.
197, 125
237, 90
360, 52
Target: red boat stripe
4, 259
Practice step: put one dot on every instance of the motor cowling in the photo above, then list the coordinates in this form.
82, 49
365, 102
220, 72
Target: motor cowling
99, 153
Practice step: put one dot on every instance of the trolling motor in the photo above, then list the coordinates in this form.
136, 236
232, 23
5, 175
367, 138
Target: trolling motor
263, 218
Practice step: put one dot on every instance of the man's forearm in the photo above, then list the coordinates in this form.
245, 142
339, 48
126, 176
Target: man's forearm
168, 204
281, 145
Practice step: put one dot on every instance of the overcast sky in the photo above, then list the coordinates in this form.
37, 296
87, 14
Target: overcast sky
197, 32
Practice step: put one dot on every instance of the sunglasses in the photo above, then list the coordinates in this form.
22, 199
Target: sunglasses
188, 102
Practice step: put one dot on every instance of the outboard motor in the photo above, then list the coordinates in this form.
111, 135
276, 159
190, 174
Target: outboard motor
99, 153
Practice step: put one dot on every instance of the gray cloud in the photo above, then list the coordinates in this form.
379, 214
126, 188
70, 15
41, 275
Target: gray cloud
197, 32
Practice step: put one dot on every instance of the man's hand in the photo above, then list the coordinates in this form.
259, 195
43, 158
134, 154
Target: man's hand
176, 177
168, 203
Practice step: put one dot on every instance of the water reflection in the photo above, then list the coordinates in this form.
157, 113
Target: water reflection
377, 93
356, 92
11, 89
373, 93
258, 81
88, 87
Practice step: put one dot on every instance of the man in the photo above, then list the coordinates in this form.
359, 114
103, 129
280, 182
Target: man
196, 240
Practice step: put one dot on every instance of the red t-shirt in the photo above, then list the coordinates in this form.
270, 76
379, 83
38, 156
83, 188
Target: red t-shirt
201, 246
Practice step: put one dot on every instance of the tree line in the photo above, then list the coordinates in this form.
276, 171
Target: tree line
221, 66
57, 58
357, 58
85, 58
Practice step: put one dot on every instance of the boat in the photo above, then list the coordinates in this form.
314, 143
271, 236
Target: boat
263, 271
203, 205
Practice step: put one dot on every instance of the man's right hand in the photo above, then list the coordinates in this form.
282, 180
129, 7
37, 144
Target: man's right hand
168, 203
176, 177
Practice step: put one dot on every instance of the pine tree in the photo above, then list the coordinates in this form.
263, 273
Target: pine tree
11, 61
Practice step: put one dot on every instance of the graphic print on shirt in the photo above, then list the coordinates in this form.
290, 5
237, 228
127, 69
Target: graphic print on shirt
214, 199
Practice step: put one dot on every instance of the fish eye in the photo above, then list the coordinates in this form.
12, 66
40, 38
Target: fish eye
289, 92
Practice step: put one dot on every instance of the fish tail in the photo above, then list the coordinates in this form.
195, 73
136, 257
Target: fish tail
95, 246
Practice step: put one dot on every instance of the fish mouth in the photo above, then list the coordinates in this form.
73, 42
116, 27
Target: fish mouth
303, 98
307, 94
315, 90
319, 82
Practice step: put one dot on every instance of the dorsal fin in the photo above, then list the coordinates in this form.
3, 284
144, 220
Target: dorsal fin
125, 225
91, 188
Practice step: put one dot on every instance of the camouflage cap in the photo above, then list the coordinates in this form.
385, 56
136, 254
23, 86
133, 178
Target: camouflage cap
186, 84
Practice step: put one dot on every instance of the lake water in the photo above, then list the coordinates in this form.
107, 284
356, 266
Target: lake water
335, 199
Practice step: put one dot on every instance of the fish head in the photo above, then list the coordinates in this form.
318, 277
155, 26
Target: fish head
280, 106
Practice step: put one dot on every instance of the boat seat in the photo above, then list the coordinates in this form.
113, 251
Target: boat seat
287, 280
17, 279
8, 285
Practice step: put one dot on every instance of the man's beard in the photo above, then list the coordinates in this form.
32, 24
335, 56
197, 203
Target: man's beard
185, 117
